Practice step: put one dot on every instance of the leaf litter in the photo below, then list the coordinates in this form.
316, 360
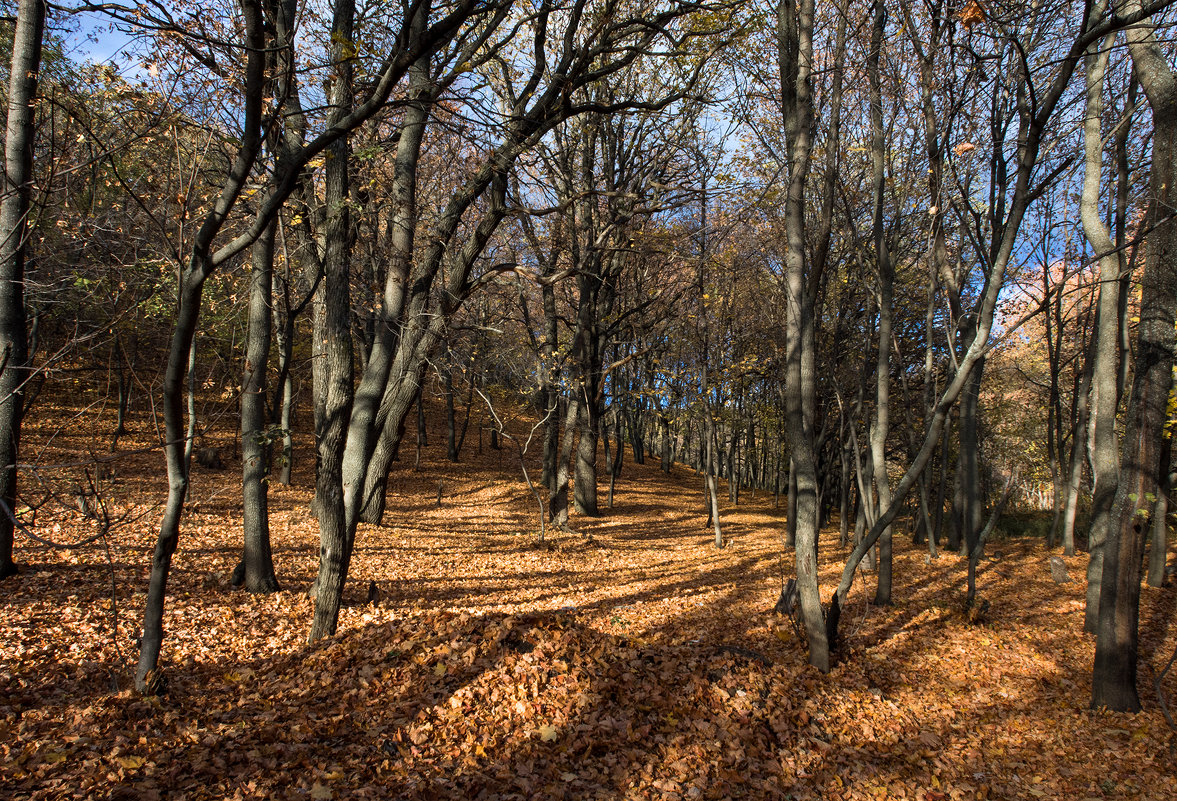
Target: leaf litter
630, 659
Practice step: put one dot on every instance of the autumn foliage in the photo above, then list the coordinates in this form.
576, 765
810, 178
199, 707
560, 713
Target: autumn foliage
628, 660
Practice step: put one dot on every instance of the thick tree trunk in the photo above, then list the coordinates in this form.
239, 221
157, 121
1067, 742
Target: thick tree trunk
1159, 542
585, 478
1114, 673
558, 499
14, 209
791, 506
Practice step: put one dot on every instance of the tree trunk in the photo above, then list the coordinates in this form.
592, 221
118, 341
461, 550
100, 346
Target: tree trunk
795, 61
363, 491
451, 443
585, 479
558, 499
14, 210
881, 427
1159, 545
191, 286
664, 421
618, 455
336, 536
1114, 672
1078, 451
1105, 374
972, 512
256, 569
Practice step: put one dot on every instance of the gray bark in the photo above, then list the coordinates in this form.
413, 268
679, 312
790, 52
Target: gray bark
1116, 649
336, 537
881, 425
201, 264
1105, 374
795, 61
256, 571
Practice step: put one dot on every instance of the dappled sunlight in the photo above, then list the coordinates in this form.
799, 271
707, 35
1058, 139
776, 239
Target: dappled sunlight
630, 658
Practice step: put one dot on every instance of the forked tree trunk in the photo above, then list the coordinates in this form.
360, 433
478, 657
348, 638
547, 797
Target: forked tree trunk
364, 476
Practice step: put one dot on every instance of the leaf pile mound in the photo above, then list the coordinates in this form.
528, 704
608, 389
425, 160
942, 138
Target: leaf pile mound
628, 660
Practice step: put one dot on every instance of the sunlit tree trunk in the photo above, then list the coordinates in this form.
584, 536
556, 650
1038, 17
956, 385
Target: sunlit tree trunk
1105, 447
1116, 649
795, 61
881, 425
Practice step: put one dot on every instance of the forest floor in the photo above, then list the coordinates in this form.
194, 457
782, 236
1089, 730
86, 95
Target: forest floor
631, 659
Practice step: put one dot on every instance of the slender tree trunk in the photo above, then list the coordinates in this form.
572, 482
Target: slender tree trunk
618, 455
844, 495
795, 60
711, 482
1078, 451
450, 417
972, 510
125, 365
285, 336
256, 569
881, 426
336, 536
191, 286
664, 421
1105, 374
942, 489
423, 433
